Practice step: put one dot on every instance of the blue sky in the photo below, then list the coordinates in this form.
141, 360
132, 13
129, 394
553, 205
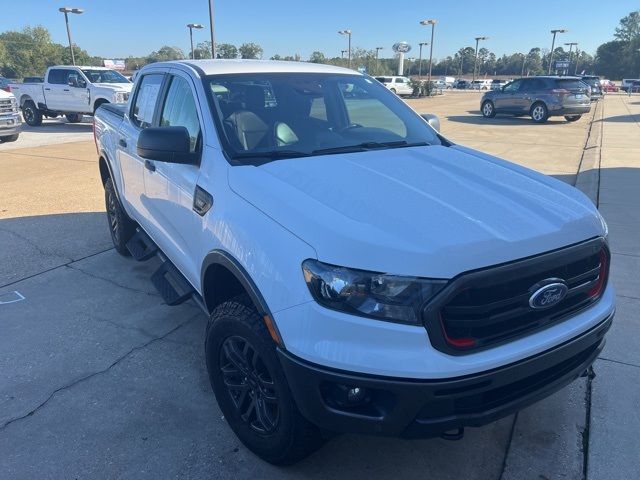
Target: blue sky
118, 28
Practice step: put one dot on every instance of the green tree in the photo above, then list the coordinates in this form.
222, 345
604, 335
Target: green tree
629, 28
226, 50
250, 50
166, 53
317, 57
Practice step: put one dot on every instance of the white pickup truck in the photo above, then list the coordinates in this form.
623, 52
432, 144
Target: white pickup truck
70, 91
359, 271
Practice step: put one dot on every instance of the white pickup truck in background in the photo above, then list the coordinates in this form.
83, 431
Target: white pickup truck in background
70, 91
9, 118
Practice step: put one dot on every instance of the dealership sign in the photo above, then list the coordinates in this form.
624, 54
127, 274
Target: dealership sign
401, 47
562, 64
114, 64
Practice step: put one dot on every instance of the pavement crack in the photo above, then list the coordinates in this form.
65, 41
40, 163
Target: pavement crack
30, 242
619, 362
509, 441
587, 423
112, 282
94, 374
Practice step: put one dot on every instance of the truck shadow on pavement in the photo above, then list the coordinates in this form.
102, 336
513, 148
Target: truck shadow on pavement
475, 118
621, 118
59, 126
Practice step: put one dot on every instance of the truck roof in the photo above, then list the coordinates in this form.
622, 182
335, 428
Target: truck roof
220, 66
80, 67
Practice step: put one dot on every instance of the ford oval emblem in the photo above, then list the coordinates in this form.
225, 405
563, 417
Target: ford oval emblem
548, 295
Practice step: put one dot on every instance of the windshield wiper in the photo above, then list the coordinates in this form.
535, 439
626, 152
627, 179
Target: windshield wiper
362, 147
271, 155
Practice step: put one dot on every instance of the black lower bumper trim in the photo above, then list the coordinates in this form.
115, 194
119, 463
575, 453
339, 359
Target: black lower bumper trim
427, 408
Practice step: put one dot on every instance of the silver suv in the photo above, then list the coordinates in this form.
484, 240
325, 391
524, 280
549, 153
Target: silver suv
540, 98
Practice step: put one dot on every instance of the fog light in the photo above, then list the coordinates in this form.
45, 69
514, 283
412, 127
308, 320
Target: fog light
356, 394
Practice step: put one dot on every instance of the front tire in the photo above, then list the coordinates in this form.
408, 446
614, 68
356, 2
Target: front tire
488, 109
32, 116
74, 117
121, 227
251, 388
572, 118
539, 112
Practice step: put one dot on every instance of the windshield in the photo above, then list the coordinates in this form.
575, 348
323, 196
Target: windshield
104, 76
267, 116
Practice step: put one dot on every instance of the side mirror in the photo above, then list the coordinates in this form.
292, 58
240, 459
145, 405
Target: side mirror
432, 120
166, 144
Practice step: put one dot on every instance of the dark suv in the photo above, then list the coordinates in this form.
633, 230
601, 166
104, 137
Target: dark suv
539, 97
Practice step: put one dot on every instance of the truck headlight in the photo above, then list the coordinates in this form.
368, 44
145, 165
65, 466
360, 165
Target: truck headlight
370, 294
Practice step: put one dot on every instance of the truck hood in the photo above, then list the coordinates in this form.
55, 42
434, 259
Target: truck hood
4, 95
427, 211
115, 87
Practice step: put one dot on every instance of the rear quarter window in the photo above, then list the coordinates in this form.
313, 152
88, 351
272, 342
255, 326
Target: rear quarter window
569, 83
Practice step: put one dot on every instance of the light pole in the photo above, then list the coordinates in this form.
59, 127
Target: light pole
347, 32
475, 62
67, 11
431, 22
571, 44
524, 60
422, 44
553, 44
191, 26
377, 54
213, 35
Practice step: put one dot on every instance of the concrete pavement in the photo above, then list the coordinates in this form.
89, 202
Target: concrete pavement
99, 379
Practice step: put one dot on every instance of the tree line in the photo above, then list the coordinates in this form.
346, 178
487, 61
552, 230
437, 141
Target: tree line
30, 51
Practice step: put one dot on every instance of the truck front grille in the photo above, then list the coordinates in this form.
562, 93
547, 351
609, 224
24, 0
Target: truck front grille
490, 306
7, 105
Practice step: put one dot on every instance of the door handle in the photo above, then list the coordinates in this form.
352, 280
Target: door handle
148, 164
122, 142
47, 89
65, 90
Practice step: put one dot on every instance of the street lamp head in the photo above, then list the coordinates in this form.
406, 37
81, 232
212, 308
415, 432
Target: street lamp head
71, 10
423, 44
559, 30
481, 38
344, 32
194, 25
428, 22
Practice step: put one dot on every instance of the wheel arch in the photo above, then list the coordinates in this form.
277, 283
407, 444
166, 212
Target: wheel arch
223, 277
24, 98
99, 101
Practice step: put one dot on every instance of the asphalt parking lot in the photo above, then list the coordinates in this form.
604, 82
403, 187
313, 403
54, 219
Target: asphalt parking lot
100, 379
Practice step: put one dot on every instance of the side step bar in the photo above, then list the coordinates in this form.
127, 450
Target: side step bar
141, 246
170, 283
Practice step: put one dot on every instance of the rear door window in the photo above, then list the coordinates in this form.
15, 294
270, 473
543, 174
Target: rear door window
146, 98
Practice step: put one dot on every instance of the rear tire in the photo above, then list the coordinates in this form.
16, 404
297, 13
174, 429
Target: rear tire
32, 116
539, 112
121, 227
251, 388
74, 117
393, 90
9, 138
488, 109
572, 118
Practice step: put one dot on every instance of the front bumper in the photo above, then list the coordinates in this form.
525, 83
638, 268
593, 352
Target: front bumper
427, 408
10, 125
